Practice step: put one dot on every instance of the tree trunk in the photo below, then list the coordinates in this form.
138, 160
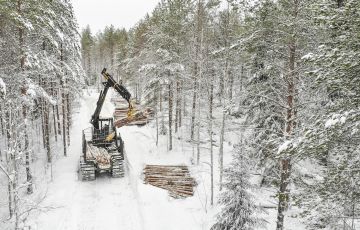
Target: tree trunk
54, 123
21, 40
241, 86
58, 119
198, 125
68, 115
24, 110
211, 101
8, 127
289, 128
170, 115
231, 84
5, 115
283, 192
221, 149
196, 66
10, 199
177, 105
63, 106
2, 121
180, 104
47, 132
184, 112
8, 121
223, 80
54, 112
13, 169
156, 116
89, 64
193, 108
27, 154
223, 77
15, 189
162, 127
136, 92
42, 103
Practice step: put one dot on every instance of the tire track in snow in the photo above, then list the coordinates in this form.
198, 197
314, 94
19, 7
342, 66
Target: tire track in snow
133, 180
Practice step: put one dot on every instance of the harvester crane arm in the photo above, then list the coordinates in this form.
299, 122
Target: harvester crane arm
110, 82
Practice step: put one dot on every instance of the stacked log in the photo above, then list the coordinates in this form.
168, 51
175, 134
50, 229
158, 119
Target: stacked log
101, 155
139, 117
174, 178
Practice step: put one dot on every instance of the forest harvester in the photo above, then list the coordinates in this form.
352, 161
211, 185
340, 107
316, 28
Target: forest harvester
103, 148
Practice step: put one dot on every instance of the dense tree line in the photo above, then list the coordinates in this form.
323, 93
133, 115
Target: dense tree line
104, 49
282, 73
40, 75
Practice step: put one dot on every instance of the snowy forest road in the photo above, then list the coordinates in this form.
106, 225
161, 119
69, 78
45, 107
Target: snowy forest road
107, 203
117, 203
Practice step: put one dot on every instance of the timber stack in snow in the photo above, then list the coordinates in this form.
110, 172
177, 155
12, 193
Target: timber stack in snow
174, 178
140, 117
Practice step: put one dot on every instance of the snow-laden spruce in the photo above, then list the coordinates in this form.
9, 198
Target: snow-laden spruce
239, 210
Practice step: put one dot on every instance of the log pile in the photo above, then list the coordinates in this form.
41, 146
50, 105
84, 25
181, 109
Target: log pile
101, 156
174, 178
139, 117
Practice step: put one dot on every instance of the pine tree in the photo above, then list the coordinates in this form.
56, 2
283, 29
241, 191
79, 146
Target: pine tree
87, 43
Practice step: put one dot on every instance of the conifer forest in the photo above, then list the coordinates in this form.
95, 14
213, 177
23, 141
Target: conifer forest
224, 115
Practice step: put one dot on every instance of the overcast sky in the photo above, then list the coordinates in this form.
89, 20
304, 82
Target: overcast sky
120, 13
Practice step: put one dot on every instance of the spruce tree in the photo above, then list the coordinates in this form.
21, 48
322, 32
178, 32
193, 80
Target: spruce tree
333, 141
239, 210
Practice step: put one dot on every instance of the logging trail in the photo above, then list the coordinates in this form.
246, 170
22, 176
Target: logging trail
107, 203
116, 203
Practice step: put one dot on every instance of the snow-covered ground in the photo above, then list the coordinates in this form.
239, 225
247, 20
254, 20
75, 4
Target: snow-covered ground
126, 203
102, 204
